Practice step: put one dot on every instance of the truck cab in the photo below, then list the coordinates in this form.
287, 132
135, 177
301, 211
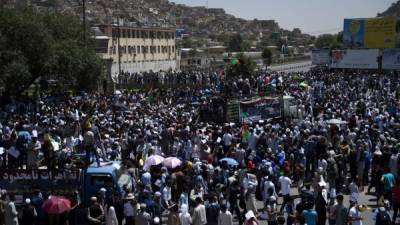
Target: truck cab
106, 176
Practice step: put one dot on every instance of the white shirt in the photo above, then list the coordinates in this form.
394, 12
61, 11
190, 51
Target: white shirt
185, 218
225, 218
267, 185
167, 193
355, 213
227, 139
285, 185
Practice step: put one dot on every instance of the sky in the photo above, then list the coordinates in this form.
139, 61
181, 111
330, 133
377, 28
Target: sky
311, 16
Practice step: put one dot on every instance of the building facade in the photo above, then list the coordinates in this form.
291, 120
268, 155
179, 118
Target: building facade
140, 48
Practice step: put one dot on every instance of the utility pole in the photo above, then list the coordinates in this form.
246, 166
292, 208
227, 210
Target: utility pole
84, 20
119, 50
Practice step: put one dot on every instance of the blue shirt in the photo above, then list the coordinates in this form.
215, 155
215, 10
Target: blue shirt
311, 216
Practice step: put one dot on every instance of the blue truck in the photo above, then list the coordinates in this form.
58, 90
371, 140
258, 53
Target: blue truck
87, 182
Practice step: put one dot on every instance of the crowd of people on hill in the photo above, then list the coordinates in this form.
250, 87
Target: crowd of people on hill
347, 143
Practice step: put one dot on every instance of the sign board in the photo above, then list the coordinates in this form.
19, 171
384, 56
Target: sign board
391, 59
369, 32
355, 59
260, 109
320, 56
25, 181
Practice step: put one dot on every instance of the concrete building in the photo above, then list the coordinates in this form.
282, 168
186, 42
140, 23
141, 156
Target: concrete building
140, 48
193, 59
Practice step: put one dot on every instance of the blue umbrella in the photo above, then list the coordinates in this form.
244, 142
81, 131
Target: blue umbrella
230, 161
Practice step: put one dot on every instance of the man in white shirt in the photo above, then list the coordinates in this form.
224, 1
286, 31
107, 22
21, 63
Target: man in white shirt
129, 209
268, 184
199, 213
355, 215
285, 182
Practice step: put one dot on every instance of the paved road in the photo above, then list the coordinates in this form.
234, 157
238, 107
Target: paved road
292, 67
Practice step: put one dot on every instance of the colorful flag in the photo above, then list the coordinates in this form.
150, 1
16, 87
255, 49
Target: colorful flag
235, 61
245, 133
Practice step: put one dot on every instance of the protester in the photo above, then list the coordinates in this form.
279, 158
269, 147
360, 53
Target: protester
11, 212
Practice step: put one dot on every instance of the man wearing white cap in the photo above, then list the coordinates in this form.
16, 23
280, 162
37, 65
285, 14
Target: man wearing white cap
28, 213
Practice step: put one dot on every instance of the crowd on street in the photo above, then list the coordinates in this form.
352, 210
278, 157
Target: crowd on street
346, 143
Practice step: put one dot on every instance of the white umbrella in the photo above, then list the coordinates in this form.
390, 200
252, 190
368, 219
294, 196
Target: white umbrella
172, 162
336, 121
153, 160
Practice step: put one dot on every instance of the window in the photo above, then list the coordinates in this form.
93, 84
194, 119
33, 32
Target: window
123, 33
173, 48
133, 33
138, 49
114, 33
158, 49
172, 35
101, 180
129, 33
138, 34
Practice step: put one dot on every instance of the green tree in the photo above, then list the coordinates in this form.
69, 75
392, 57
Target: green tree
240, 65
235, 43
324, 40
40, 46
267, 56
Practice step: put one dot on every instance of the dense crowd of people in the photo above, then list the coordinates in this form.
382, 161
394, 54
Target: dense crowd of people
346, 143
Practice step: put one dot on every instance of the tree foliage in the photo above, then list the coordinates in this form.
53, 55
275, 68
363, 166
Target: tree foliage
267, 56
42, 46
235, 43
332, 41
243, 67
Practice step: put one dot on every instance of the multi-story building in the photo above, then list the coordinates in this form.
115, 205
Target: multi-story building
140, 48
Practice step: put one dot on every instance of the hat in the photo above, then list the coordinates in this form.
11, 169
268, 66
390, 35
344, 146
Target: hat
130, 196
156, 220
34, 134
250, 214
93, 199
103, 190
28, 201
